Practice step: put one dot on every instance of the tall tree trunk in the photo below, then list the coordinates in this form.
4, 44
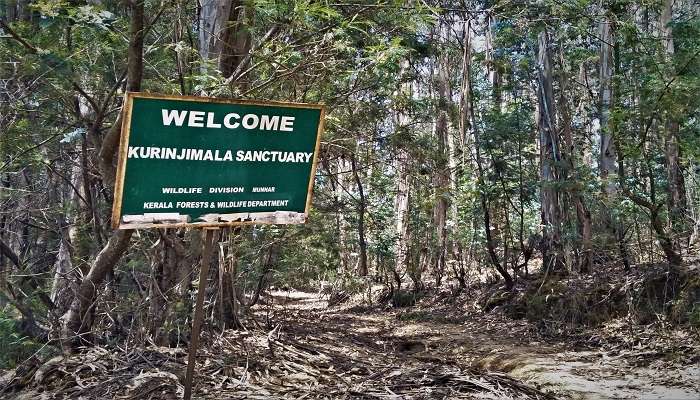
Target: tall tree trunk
459, 143
467, 122
608, 163
401, 210
403, 187
464, 98
677, 201
583, 215
135, 56
442, 173
550, 159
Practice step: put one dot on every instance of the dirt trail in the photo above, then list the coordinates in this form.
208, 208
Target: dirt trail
299, 348
495, 343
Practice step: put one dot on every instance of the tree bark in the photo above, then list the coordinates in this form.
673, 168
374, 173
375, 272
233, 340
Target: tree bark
136, 34
550, 159
457, 166
362, 268
583, 215
403, 186
492, 68
467, 116
78, 319
65, 282
608, 163
110, 143
442, 173
224, 36
677, 201
342, 185
229, 297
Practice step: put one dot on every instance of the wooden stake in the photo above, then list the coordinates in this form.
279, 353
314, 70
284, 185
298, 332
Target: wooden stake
210, 237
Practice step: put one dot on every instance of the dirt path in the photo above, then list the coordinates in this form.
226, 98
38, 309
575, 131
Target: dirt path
490, 342
302, 349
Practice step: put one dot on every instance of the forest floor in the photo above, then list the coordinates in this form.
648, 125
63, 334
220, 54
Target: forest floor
617, 361
437, 348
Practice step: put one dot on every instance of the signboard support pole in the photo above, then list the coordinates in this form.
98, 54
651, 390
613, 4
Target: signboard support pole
210, 237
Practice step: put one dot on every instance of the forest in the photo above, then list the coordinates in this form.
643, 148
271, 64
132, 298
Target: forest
506, 202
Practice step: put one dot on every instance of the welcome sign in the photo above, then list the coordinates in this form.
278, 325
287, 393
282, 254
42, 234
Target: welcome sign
210, 162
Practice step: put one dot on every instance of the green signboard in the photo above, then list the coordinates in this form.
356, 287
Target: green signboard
196, 161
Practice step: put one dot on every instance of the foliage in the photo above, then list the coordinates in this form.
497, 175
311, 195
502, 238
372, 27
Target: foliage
14, 347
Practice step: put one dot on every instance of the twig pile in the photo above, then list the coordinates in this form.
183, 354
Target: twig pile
259, 365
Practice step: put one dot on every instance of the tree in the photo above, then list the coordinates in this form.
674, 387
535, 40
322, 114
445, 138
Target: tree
442, 173
78, 319
403, 184
677, 201
550, 161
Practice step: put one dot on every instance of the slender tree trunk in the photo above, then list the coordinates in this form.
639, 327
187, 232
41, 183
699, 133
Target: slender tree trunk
550, 159
583, 215
677, 200
110, 143
403, 186
464, 98
65, 282
467, 123
362, 269
608, 163
227, 302
78, 231
136, 34
442, 173
492, 68
343, 174
459, 143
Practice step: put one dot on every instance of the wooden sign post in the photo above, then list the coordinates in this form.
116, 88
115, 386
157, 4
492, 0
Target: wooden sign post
210, 238
208, 163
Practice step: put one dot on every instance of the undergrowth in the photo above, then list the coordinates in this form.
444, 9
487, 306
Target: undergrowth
14, 348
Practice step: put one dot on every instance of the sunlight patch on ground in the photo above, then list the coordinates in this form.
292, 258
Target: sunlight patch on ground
411, 330
605, 380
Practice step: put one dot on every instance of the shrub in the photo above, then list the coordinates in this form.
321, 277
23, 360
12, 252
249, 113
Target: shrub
14, 348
